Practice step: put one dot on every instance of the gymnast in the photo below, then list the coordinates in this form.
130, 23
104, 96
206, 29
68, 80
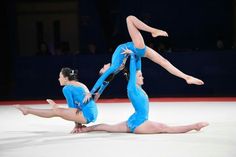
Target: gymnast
140, 49
138, 122
74, 92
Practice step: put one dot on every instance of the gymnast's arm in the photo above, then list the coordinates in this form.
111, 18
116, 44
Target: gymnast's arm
101, 89
138, 63
103, 86
132, 75
103, 77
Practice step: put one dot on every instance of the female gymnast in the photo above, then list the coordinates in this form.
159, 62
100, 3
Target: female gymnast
138, 122
140, 49
74, 92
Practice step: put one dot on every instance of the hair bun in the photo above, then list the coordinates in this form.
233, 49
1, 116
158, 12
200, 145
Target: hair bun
72, 72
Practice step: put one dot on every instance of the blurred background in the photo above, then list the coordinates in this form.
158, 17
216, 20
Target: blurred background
39, 37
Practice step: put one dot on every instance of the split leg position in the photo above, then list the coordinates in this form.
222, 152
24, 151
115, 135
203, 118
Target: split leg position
134, 25
70, 114
138, 122
148, 127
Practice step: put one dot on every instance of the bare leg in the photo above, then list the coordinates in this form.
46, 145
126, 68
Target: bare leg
67, 114
134, 25
150, 127
144, 27
117, 128
157, 58
134, 33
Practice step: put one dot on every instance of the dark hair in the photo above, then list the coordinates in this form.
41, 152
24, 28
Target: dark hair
70, 73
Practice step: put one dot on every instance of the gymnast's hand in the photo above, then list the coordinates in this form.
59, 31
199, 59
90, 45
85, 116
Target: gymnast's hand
126, 51
87, 97
77, 129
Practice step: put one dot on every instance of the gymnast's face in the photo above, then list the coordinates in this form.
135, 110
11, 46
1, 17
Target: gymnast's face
139, 77
63, 80
104, 68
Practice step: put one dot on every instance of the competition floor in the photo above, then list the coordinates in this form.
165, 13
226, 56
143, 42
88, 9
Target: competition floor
31, 136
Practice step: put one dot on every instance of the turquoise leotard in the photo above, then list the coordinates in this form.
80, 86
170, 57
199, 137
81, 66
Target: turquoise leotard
74, 96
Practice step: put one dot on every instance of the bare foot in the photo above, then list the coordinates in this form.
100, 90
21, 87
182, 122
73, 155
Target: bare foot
193, 80
159, 32
23, 109
201, 125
